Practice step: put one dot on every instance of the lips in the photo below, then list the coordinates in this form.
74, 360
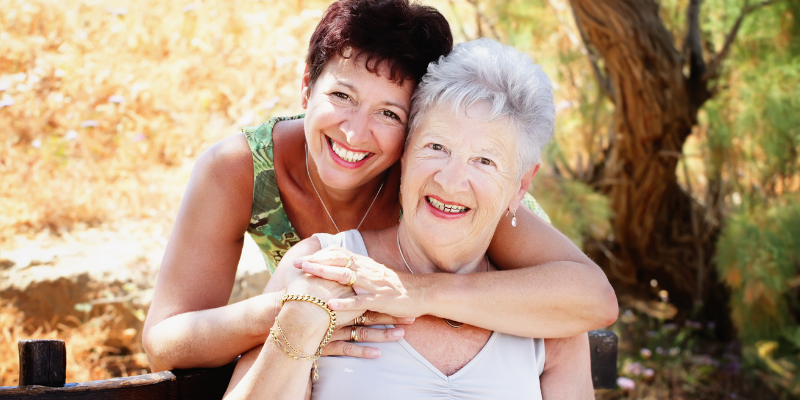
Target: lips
347, 155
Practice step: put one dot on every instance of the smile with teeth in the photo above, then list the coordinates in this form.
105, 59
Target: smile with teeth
448, 208
349, 156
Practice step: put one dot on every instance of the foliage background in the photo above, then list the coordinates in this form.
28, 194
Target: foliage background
104, 105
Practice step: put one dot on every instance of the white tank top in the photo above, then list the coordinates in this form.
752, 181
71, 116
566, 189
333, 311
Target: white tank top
508, 367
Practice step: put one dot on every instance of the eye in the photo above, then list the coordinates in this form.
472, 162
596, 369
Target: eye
485, 161
390, 114
436, 146
340, 95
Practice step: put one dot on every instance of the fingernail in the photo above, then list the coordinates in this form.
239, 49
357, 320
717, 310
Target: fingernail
333, 304
375, 353
397, 332
408, 320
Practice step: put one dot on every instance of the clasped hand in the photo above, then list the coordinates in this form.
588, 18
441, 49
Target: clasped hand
346, 302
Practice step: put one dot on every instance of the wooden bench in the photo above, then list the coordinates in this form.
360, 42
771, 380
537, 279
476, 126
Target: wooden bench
43, 364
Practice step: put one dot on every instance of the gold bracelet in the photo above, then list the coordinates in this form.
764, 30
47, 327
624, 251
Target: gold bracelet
291, 351
317, 301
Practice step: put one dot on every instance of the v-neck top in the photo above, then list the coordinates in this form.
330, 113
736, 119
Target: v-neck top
507, 367
269, 225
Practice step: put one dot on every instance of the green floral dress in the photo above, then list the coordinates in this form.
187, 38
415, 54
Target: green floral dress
269, 225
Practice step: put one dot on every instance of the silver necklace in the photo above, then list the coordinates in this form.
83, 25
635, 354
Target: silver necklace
453, 324
305, 147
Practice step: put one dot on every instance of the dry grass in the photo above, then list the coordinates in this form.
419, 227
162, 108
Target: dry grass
184, 74
88, 355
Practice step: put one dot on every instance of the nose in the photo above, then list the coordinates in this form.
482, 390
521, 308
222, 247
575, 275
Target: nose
452, 177
356, 127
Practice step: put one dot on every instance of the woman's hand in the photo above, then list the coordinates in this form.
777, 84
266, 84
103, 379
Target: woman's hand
341, 345
305, 284
377, 287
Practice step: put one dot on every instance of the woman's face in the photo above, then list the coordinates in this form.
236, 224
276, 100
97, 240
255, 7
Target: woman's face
355, 121
459, 177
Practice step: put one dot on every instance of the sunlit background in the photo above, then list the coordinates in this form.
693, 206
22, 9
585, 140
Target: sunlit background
105, 106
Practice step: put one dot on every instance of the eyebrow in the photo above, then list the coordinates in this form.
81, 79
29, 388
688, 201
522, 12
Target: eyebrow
385, 102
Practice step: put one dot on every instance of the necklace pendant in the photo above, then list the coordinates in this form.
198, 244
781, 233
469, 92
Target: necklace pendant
453, 324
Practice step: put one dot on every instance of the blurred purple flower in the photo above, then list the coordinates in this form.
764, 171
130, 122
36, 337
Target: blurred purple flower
90, 123
36, 144
674, 351
660, 350
634, 369
649, 372
139, 137
730, 368
71, 135
116, 99
668, 327
694, 324
646, 353
626, 383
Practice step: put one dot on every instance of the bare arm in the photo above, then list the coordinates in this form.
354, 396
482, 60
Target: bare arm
562, 294
548, 288
267, 372
189, 323
567, 369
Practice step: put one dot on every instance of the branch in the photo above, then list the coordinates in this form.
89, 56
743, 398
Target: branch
692, 44
603, 80
712, 71
482, 17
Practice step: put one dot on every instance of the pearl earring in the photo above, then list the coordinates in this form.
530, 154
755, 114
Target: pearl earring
514, 219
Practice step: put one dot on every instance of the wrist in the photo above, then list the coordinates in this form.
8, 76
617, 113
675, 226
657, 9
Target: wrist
304, 324
420, 290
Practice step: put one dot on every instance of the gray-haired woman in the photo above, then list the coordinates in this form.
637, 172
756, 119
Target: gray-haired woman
479, 121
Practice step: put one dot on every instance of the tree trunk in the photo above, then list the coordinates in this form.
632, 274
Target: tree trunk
659, 231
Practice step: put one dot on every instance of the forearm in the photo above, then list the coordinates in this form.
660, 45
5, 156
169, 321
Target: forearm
557, 299
268, 372
210, 338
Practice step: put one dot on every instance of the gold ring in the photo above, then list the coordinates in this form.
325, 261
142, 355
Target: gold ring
353, 278
353, 334
349, 262
360, 320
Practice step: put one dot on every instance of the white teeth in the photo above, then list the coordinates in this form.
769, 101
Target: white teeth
446, 207
349, 156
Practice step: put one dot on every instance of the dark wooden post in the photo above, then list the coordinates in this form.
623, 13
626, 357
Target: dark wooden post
42, 362
603, 347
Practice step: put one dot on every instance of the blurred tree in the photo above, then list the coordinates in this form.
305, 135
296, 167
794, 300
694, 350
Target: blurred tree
657, 86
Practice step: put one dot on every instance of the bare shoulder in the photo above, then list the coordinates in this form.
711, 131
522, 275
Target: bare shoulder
230, 158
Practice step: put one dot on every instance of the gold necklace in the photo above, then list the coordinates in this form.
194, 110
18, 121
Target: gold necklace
453, 324
305, 147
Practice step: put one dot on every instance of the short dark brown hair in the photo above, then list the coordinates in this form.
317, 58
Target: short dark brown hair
408, 36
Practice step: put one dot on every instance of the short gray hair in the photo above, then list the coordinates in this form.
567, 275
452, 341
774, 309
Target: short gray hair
484, 70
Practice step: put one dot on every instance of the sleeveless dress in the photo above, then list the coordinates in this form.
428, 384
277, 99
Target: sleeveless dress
508, 367
269, 225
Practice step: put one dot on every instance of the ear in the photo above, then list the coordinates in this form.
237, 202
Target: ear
524, 184
305, 88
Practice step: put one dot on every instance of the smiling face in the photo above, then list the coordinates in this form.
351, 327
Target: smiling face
355, 121
459, 178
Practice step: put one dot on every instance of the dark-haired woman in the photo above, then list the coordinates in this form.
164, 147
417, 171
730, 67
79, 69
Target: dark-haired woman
333, 169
